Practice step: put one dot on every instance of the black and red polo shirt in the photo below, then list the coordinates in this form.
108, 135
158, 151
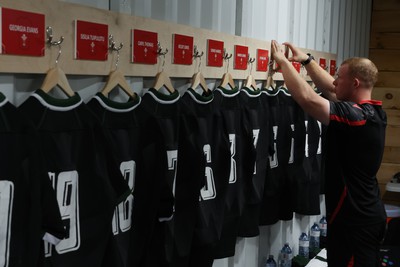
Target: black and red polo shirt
354, 148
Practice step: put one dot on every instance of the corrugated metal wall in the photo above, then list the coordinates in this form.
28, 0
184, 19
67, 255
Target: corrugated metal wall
335, 26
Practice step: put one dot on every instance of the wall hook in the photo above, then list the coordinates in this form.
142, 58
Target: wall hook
112, 47
226, 56
49, 33
250, 60
159, 50
111, 44
196, 53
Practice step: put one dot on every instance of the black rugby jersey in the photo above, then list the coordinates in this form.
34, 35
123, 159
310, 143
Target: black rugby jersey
28, 205
202, 179
159, 120
275, 180
257, 117
87, 183
294, 118
354, 149
121, 129
242, 166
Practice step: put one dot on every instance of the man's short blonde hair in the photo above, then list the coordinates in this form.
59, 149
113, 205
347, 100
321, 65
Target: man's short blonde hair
362, 69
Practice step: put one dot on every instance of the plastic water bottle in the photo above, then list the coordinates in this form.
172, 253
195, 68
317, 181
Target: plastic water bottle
323, 226
304, 246
270, 261
314, 237
285, 257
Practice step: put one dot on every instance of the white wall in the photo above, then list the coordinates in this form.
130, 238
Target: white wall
335, 26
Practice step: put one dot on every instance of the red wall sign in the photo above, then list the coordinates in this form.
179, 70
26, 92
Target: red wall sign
322, 63
183, 49
241, 56
332, 67
215, 53
91, 40
22, 33
144, 47
297, 66
262, 60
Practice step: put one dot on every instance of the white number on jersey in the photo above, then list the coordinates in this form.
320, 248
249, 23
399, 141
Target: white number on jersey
273, 160
208, 191
291, 158
307, 152
122, 219
6, 204
232, 175
172, 156
319, 151
66, 187
256, 133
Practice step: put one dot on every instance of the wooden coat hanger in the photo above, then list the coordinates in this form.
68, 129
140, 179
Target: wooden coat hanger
269, 83
250, 82
198, 79
116, 78
56, 76
227, 80
227, 77
162, 78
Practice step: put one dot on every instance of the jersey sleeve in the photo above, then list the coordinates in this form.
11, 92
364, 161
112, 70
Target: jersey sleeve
347, 113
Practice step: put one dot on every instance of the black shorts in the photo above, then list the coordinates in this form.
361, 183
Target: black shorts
358, 243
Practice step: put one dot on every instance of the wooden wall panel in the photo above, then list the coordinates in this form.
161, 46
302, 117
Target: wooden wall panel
393, 136
388, 79
385, 40
389, 96
386, 4
384, 21
384, 52
383, 58
391, 155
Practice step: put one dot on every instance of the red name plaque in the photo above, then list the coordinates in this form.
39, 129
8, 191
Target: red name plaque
322, 63
22, 33
297, 66
241, 56
215, 53
144, 46
183, 49
332, 67
262, 60
91, 40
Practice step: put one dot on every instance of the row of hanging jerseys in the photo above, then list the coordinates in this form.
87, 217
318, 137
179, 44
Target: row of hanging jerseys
159, 180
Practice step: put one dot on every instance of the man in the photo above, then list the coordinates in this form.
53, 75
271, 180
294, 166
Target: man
353, 152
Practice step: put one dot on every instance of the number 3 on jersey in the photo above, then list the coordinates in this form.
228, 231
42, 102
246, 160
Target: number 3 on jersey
208, 191
122, 219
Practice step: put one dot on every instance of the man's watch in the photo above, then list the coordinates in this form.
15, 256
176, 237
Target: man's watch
308, 60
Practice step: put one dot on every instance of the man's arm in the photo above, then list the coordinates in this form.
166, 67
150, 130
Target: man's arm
301, 91
322, 79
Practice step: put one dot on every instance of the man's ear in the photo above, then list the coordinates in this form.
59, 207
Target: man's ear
356, 82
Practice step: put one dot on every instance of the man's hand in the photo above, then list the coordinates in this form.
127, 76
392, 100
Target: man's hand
277, 52
297, 54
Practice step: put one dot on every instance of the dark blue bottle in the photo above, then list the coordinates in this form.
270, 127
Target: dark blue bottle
285, 257
323, 226
270, 261
315, 233
304, 246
